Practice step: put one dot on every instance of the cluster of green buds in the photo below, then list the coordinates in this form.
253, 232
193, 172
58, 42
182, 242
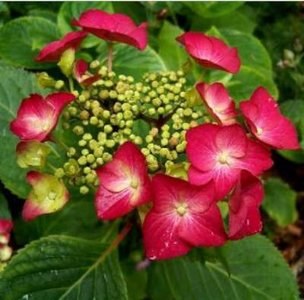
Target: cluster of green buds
153, 113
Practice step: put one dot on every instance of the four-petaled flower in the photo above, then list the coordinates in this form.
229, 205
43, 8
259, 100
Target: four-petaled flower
47, 196
210, 52
38, 116
219, 153
218, 102
113, 28
53, 51
266, 122
183, 216
124, 183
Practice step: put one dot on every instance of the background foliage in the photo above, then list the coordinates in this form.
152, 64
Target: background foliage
68, 257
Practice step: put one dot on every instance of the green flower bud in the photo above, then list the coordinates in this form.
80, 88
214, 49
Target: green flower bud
84, 190
107, 156
110, 143
87, 137
84, 115
85, 151
66, 125
66, 61
94, 120
104, 94
71, 152
82, 160
45, 81
87, 170
106, 114
59, 173
99, 161
59, 84
108, 83
94, 64
82, 143
71, 168
78, 130
90, 158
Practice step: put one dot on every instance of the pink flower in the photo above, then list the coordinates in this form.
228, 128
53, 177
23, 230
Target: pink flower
37, 117
266, 122
6, 227
219, 153
183, 216
218, 102
113, 27
53, 51
244, 214
81, 73
124, 183
47, 196
210, 52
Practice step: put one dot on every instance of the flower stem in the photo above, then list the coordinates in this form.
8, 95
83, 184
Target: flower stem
110, 56
71, 84
120, 237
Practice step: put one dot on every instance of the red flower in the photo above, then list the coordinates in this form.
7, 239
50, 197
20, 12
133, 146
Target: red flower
6, 227
124, 183
219, 153
113, 27
219, 104
81, 74
53, 51
244, 214
266, 122
37, 117
182, 216
210, 52
47, 196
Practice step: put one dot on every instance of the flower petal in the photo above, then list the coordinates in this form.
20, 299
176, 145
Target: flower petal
161, 240
113, 27
52, 51
210, 52
266, 122
217, 100
244, 214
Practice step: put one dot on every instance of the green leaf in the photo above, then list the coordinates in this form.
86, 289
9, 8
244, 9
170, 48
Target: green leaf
4, 211
258, 271
72, 10
128, 60
280, 201
136, 280
15, 85
213, 9
21, 40
61, 267
235, 20
77, 218
170, 51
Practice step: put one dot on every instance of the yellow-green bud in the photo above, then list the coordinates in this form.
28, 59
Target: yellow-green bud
84, 115
66, 61
104, 94
59, 173
84, 190
45, 81
82, 143
82, 160
110, 143
78, 130
90, 158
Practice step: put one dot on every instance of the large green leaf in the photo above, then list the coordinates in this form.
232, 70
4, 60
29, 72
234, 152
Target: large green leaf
72, 10
61, 267
257, 272
212, 9
128, 60
15, 85
169, 50
280, 201
21, 40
